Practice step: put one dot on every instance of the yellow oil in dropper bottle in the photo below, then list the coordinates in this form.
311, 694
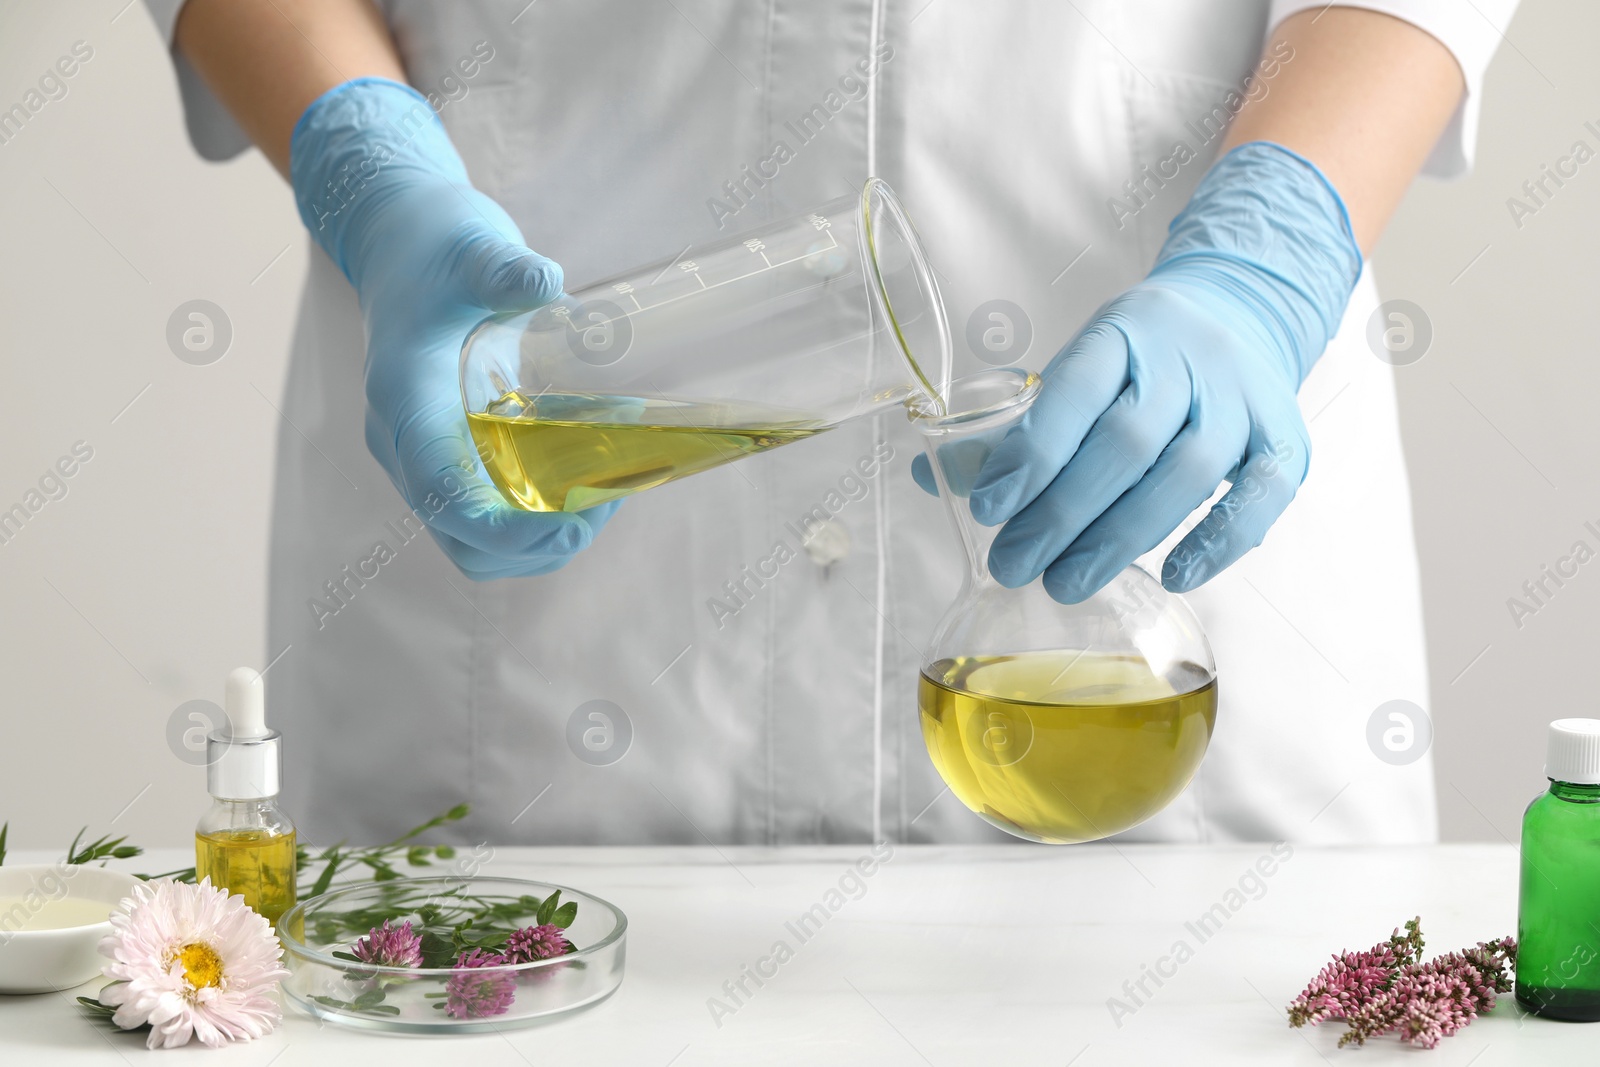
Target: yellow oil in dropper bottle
245, 843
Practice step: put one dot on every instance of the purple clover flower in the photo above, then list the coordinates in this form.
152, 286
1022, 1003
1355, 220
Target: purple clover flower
537, 943
389, 946
475, 993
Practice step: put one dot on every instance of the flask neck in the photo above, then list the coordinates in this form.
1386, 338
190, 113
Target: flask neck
1575, 791
975, 539
981, 409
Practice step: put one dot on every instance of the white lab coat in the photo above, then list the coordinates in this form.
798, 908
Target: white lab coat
606, 130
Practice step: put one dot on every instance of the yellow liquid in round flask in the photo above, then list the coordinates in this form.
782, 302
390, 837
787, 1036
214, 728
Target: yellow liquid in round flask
1056, 723
1063, 746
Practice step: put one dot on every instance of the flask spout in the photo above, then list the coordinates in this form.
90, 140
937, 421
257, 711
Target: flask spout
906, 294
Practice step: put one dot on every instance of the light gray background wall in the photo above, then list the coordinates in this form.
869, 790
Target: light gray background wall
1498, 419
144, 584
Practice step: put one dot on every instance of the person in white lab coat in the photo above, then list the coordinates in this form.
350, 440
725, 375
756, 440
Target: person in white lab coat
1043, 149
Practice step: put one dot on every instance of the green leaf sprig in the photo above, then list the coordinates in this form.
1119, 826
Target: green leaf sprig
317, 871
381, 861
102, 849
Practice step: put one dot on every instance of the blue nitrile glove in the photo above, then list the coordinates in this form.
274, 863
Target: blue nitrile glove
384, 193
1186, 380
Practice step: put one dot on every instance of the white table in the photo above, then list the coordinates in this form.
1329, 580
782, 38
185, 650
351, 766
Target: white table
1001, 955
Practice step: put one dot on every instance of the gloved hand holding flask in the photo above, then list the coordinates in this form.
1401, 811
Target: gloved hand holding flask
1184, 381
382, 190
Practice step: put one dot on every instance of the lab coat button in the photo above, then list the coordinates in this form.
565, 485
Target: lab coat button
827, 543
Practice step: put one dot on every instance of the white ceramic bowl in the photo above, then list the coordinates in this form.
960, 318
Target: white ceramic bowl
44, 961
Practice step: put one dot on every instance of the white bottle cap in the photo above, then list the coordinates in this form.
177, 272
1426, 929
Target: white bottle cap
245, 701
242, 759
1574, 752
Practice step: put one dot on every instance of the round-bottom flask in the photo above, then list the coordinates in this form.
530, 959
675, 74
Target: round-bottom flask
1057, 723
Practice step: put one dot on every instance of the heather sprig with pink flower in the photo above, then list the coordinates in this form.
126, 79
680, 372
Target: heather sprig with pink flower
1355, 978
1388, 988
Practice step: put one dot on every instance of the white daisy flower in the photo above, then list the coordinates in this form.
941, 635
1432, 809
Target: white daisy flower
190, 960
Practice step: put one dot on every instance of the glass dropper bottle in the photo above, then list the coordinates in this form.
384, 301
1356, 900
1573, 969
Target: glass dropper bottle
245, 843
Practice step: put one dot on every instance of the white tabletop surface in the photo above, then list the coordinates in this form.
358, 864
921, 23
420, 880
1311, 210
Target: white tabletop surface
987, 955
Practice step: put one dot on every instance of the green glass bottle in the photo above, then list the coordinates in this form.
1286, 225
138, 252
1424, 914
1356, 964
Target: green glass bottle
1558, 917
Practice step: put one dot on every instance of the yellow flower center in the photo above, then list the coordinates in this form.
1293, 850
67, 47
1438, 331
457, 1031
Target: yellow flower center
202, 966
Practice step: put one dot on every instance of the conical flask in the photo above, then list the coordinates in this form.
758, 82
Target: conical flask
751, 341
1057, 723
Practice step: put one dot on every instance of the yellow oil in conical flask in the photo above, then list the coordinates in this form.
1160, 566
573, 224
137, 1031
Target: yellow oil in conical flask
748, 343
1057, 723
567, 452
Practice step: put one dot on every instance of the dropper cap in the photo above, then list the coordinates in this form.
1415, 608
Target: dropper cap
1573, 754
243, 761
245, 701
